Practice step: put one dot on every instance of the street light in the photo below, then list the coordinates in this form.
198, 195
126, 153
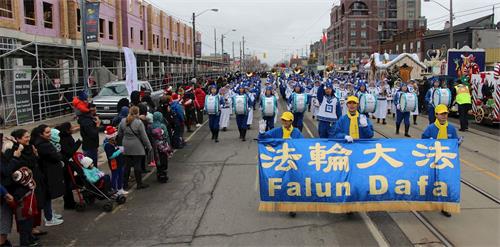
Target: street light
451, 19
194, 36
222, 43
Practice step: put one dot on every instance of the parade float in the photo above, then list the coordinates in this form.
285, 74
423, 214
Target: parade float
407, 65
486, 96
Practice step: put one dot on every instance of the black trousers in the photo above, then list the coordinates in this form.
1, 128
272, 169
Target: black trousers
69, 200
462, 115
24, 228
199, 116
134, 161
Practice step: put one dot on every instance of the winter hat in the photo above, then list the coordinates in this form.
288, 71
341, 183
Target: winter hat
83, 95
175, 97
110, 132
54, 135
86, 162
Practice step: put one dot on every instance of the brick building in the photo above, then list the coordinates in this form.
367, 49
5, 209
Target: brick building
357, 27
406, 42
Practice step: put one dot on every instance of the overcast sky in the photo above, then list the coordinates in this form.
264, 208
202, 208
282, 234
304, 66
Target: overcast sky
282, 27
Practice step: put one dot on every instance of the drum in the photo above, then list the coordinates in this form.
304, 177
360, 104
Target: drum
441, 96
212, 104
240, 104
268, 109
299, 103
367, 103
408, 102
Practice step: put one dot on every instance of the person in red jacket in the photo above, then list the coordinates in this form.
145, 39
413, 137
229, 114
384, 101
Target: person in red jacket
199, 104
80, 104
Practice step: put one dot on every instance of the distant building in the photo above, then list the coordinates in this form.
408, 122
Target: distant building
477, 33
405, 42
357, 28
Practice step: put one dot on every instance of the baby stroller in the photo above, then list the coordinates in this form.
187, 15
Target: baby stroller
87, 191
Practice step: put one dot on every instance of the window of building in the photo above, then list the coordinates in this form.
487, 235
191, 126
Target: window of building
354, 55
111, 29
131, 35
157, 41
410, 24
353, 33
411, 46
141, 37
168, 44
397, 48
381, 13
101, 28
411, 4
164, 42
364, 42
359, 8
29, 12
78, 20
353, 42
363, 34
141, 11
392, 14
6, 8
457, 45
353, 24
411, 14
175, 46
363, 24
47, 15
404, 47
418, 45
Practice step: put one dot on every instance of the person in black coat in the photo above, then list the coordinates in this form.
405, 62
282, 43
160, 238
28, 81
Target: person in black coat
29, 158
68, 148
89, 130
51, 165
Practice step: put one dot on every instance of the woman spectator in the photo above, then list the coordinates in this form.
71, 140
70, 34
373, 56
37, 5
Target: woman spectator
29, 158
149, 103
199, 104
16, 195
51, 165
135, 142
121, 103
68, 147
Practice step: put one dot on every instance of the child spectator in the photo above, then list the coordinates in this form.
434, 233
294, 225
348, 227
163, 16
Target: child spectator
55, 139
80, 104
94, 175
116, 160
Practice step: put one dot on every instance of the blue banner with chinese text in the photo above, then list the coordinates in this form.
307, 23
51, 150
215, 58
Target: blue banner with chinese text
368, 175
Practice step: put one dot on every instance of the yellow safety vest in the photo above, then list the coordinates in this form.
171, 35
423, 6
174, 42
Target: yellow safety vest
463, 95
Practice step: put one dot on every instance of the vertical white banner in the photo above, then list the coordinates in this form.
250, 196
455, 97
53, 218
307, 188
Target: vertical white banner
130, 71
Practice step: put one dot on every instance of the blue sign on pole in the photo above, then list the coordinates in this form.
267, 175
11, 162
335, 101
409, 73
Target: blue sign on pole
324, 175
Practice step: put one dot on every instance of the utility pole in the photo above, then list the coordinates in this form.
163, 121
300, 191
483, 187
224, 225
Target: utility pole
215, 42
451, 25
241, 67
243, 53
194, 45
222, 47
83, 14
233, 50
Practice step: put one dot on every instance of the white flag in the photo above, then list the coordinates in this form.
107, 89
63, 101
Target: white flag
130, 71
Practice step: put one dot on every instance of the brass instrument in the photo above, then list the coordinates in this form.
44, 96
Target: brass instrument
329, 69
250, 74
298, 70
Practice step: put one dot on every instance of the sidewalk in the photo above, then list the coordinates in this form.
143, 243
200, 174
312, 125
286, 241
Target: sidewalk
50, 122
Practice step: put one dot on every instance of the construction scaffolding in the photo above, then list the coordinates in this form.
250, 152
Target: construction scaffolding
57, 74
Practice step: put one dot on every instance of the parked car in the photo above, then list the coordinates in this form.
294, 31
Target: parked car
112, 92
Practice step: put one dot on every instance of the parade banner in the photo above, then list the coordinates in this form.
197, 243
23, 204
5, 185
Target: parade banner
322, 175
92, 21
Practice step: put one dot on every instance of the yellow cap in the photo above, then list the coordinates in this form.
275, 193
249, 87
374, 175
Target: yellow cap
441, 109
353, 99
288, 116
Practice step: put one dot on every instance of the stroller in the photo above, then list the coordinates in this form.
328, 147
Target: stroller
89, 192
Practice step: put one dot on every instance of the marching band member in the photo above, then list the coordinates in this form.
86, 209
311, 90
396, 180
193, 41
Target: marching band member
373, 90
225, 112
381, 112
441, 129
353, 125
361, 90
241, 104
394, 91
298, 102
329, 111
251, 94
213, 104
269, 107
341, 94
314, 98
350, 90
413, 88
428, 100
400, 116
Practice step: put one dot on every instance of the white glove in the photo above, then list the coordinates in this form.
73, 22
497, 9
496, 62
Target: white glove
460, 140
262, 126
363, 122
398, 106
349, 139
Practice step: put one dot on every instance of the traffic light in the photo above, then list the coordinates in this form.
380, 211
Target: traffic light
265, 55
